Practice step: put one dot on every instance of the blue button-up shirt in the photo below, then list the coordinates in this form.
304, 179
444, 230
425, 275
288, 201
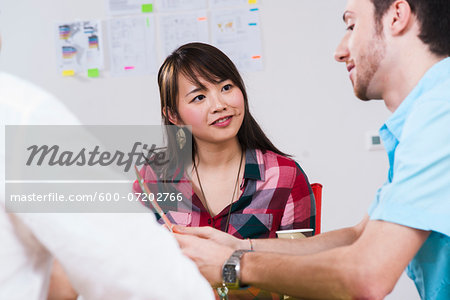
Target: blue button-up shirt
417, 192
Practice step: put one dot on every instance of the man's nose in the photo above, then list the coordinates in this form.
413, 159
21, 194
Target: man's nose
341, 53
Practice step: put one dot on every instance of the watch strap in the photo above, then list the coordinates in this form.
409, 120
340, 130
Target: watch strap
231, 270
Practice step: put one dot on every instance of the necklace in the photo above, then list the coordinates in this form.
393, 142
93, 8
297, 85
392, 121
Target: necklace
232, 197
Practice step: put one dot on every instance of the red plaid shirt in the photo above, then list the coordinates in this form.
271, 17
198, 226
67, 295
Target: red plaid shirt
276, 195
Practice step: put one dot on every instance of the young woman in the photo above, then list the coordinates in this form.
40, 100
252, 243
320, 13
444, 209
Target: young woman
241, 183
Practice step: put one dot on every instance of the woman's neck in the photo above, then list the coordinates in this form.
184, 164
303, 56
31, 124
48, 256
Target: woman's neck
217, 155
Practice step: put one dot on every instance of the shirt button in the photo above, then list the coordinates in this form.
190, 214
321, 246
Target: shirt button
209, 221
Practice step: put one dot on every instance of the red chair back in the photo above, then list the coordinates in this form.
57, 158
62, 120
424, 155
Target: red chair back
317, 191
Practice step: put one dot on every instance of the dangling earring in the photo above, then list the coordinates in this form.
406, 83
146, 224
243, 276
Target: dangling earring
181, 138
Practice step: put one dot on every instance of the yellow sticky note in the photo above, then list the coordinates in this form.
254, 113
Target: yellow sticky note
147, 8
68, 72
252, 1
93, 73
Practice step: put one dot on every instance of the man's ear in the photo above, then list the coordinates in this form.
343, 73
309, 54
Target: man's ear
400, 17
172, 116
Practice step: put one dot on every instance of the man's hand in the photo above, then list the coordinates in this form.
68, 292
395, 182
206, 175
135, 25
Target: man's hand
207, 255
214, 235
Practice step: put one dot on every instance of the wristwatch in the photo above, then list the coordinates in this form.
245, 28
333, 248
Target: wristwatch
231, 270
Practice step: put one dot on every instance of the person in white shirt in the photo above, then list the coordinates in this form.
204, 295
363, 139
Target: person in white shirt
105, 256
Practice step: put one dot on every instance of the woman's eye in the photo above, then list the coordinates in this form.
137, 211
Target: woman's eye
351, 27
198, 98
227, 87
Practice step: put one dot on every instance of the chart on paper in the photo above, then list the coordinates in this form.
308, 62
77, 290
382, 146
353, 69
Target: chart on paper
132, 45
237, 33
179, 29
79, 47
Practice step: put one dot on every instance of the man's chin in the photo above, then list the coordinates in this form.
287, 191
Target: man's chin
361, 93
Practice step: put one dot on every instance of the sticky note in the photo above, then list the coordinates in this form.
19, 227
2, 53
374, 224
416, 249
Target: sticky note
201, 19
129, 68
147, 8
256, 57
252, 1
251, 24
68, 72
254, 9
93, 73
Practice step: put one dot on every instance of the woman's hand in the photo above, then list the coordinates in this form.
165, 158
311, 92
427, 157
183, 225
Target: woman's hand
214, 235
206, 254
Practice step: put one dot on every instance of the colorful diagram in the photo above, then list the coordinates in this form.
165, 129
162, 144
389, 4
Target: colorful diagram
78, 47
93, 42
69, 52
226, 26
64, 32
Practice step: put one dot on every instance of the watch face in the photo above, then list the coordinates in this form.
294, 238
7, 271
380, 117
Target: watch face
229, 273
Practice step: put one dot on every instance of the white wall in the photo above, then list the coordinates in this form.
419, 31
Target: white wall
303, 99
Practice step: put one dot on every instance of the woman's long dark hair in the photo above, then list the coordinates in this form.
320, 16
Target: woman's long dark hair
196, 60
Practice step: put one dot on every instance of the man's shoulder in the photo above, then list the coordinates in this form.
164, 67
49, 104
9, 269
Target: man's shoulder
432, 107
439, 93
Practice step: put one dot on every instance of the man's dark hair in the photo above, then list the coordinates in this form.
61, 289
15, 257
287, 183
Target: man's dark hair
433, 17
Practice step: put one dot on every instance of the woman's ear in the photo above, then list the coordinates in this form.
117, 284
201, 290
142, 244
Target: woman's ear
172, 116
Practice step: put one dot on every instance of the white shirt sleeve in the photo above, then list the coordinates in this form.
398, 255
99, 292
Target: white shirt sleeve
106, 256
119, 256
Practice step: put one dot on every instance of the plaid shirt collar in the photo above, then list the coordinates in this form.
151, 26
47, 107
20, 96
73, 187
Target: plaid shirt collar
254, 169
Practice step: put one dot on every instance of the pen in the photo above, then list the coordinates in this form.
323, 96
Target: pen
155, 205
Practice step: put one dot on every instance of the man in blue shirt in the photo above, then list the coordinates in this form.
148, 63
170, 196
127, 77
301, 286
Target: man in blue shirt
395, 50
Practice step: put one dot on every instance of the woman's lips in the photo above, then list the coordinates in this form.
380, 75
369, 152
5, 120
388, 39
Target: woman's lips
222, 122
